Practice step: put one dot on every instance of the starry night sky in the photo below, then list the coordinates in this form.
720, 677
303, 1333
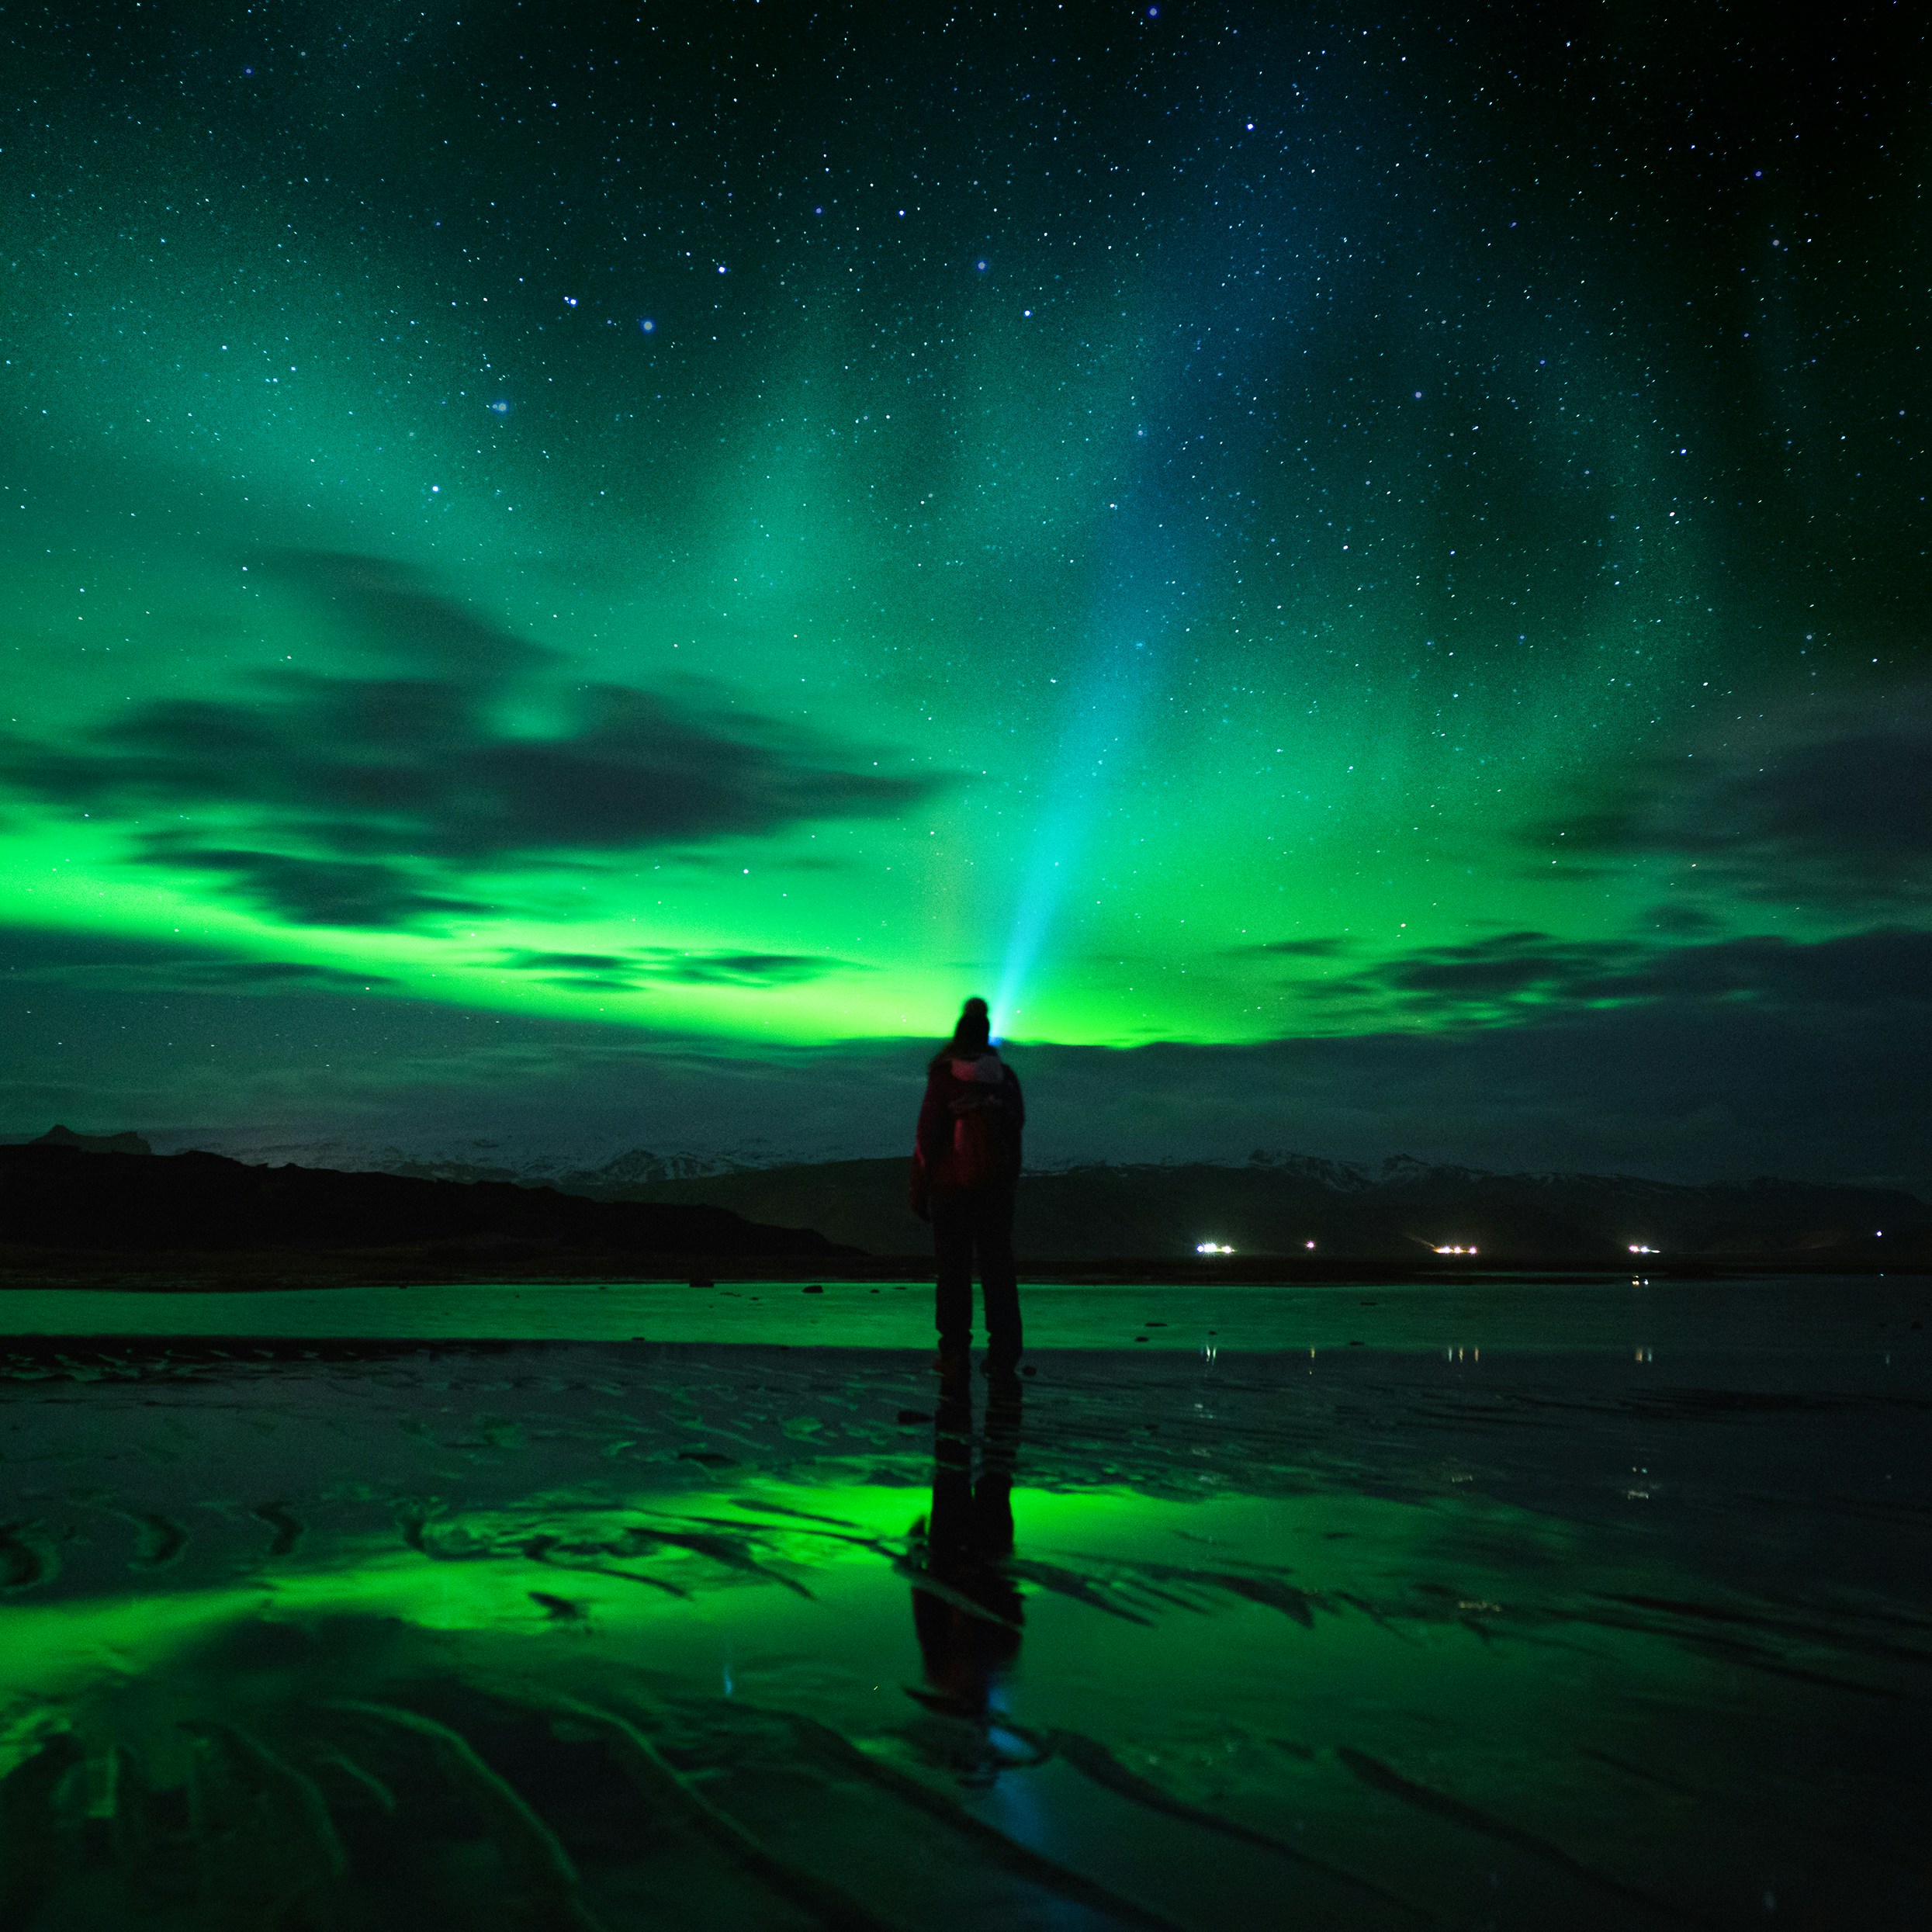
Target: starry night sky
593, 570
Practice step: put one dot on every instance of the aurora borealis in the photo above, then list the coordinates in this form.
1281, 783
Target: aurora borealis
568, 562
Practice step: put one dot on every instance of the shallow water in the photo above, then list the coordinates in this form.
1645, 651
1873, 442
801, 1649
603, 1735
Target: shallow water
1549, 1604
1807, 1316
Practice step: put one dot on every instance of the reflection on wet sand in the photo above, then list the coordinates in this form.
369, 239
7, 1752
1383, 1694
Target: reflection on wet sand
967, 1608
526, 1637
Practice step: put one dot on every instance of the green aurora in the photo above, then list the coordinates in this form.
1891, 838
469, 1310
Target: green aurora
1214, 528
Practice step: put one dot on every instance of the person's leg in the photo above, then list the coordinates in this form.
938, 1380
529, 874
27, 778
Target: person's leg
992, 1494
998, 1278
950, 1527
952, 1245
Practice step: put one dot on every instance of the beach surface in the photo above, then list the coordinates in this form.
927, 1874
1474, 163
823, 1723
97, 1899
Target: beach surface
1523, 1604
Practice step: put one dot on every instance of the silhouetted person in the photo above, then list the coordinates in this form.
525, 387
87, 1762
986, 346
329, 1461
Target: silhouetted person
969, 1626
965, 1168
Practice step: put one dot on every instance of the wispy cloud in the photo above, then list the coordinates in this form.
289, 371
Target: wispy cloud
1505, 976
1828, 802
623, 972
89, 962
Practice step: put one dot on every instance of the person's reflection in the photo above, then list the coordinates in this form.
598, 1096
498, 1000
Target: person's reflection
965, 1609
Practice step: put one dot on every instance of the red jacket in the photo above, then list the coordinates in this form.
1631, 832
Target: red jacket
969, 1124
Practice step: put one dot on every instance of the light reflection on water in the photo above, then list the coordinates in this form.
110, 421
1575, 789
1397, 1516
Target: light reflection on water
1776, 1313
651, 1633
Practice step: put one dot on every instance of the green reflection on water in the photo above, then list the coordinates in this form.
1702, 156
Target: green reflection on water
1200, 1675
1288, 1666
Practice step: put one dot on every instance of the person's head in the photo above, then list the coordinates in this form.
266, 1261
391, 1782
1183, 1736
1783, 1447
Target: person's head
974, 1028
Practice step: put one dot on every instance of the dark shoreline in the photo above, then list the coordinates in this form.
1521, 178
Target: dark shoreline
272, 1270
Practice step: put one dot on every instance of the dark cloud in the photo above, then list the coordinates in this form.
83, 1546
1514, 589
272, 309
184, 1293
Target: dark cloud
580, 980
1687, 1089
1294, 948
318, 892
1511, 966
750, 969
1687, 920
399, 616
623, 971
364, 796
99, 962
1499, 977
565, 962
1829, 802
1889, 967
1752, 1056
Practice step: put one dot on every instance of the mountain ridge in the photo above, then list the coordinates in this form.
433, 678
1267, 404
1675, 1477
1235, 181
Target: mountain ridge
78, 1193
1290, 1204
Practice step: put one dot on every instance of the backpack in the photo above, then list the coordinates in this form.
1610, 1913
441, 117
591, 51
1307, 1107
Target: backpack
983, 1151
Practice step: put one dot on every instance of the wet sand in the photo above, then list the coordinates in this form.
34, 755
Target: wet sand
1524, 1606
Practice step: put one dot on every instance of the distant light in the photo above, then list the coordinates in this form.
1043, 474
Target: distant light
1638, 1247
1307, 1244
1215, 1248
1451, 1249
